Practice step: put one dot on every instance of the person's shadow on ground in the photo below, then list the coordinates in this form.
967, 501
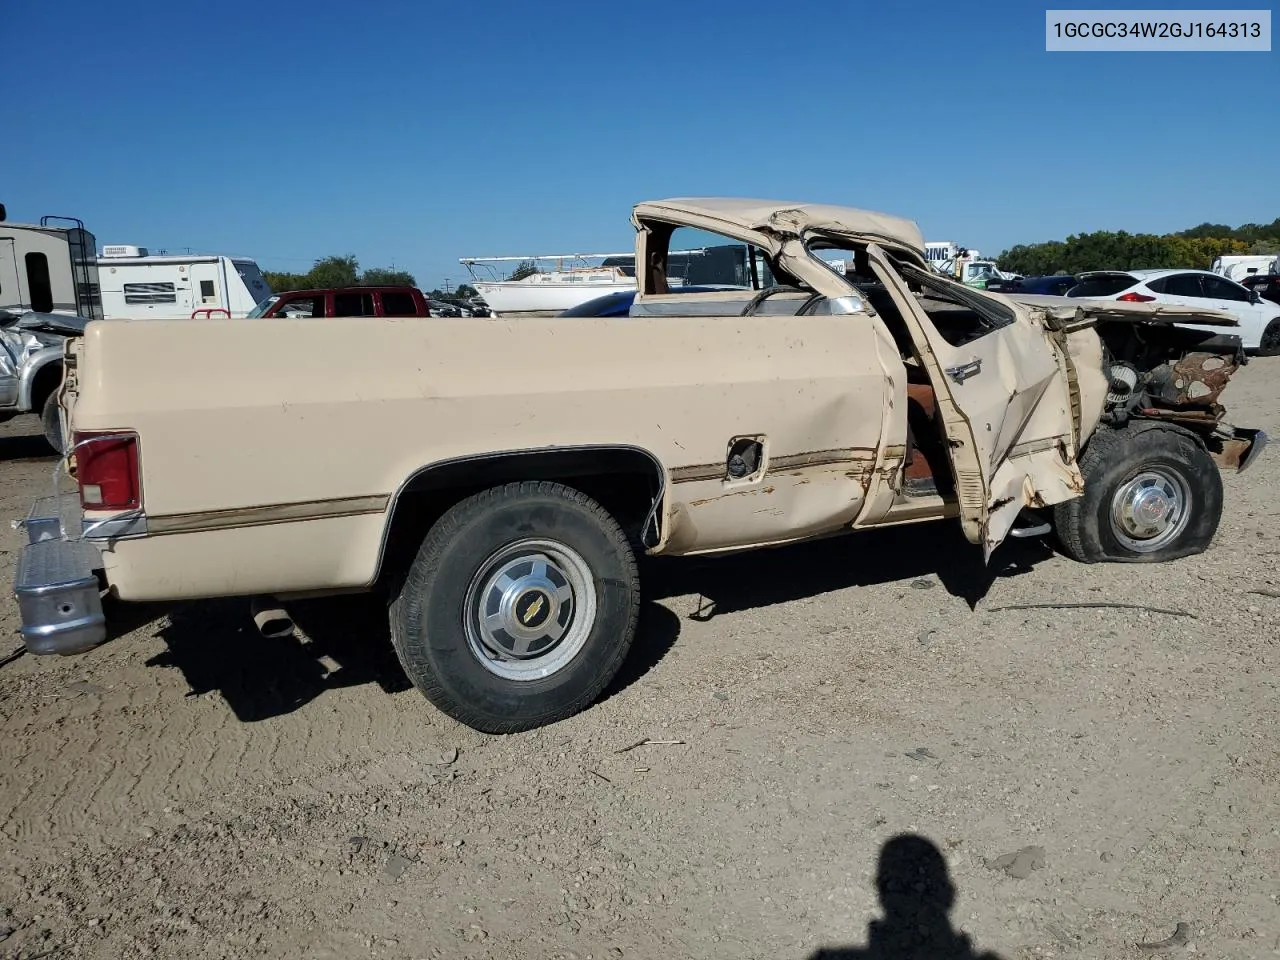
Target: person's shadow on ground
916, 895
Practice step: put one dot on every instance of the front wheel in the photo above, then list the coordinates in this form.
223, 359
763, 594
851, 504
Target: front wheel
1269, 346
519, 608
1151, 493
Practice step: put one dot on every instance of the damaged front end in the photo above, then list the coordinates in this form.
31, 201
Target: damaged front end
1178, 375
1157, 369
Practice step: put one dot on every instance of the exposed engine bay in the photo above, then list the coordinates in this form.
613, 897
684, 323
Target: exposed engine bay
1167, 368
1176, 374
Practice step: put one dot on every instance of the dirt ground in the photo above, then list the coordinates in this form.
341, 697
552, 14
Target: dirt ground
1079, 780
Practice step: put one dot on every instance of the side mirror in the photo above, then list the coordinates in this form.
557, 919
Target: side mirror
1255, 296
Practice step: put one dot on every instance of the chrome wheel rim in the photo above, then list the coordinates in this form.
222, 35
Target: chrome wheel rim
1150, 510
529, 609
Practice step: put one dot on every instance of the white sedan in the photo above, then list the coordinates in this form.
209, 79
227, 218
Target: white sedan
1259, 319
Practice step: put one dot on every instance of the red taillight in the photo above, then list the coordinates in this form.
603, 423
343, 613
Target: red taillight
107, 471
1136, 298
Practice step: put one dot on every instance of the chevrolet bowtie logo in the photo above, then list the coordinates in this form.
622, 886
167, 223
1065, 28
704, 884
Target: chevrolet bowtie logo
532, 611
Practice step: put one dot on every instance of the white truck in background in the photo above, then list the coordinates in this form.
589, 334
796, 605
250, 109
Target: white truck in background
1238, 266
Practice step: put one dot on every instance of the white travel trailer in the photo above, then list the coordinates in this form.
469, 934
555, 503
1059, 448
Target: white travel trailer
1237, 267
48, 267
137, 284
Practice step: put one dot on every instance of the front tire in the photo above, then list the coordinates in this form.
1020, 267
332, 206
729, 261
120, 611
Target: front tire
1269, 345
519, 608
51, 421
1151, 493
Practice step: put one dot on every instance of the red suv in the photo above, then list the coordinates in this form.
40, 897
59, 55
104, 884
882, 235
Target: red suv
346, 302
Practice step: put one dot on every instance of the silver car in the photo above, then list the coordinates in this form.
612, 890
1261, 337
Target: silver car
31, 348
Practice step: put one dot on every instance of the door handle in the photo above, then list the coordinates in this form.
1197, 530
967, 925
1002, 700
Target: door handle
964, 371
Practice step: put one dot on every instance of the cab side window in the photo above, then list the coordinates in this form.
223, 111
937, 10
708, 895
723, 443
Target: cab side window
701, 273
398, 303
702, 258
353, 305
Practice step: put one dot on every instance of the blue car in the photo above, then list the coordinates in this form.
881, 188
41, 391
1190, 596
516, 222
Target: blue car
619, 304
1054, 286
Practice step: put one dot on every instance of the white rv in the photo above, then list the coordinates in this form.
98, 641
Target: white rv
47, 280
1238, 266
48, 267
137, 284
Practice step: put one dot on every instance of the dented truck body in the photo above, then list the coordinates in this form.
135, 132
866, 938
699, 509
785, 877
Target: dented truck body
1160, 370
269, 461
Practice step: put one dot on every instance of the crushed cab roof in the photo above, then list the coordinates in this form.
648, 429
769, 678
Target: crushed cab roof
753, 214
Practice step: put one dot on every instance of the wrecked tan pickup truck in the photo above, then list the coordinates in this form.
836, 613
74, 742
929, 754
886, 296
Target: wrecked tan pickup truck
496, 478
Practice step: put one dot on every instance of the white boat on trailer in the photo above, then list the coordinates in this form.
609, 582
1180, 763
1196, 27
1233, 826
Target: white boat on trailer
551, 291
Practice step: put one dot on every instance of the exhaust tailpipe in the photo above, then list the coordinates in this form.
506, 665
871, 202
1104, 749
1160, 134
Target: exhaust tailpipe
271, 619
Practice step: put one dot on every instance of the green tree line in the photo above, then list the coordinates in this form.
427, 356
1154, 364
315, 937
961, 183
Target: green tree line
338, 271
344, 271
1107, 250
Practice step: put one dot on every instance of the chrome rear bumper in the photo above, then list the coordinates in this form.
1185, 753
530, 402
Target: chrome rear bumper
60, 597
56, 584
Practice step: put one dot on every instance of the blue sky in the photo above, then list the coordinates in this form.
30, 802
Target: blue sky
419, 133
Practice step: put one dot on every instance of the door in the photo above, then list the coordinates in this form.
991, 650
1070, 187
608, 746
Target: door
1191, 290
206, 289
989, 366
1235, 299
774, 424
10, 285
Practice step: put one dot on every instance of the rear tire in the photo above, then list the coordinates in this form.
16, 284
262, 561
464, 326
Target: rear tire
51, 420
1269, 346
519, 608
1151, 493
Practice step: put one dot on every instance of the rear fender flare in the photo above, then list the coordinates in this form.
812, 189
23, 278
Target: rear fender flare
531, 463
